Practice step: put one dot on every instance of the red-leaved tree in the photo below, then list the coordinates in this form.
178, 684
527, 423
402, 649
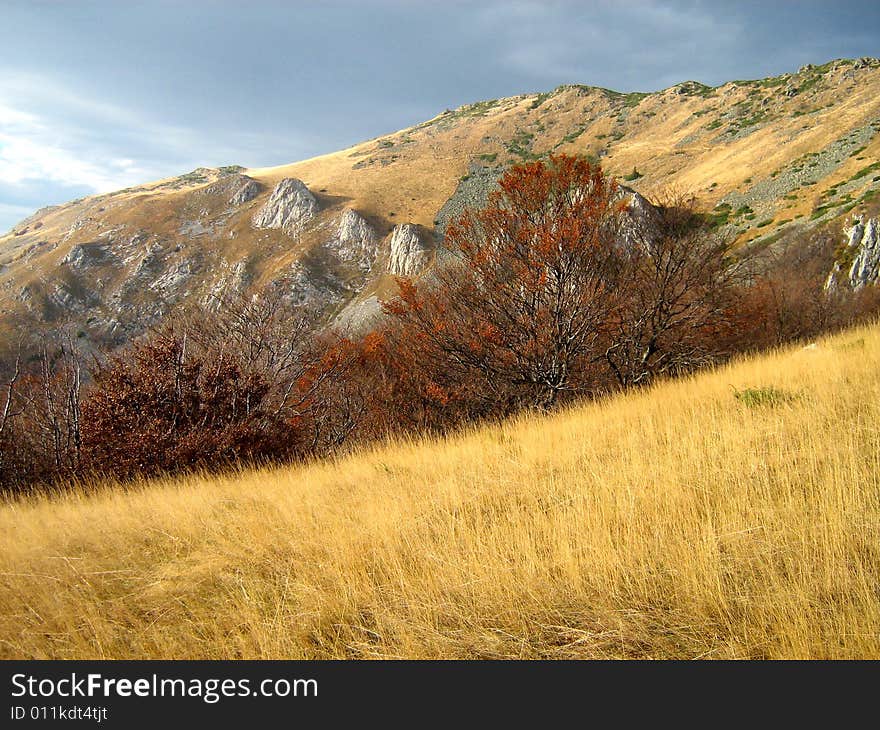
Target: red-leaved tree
520, 313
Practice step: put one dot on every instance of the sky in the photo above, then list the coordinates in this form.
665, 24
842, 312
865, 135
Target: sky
97, 95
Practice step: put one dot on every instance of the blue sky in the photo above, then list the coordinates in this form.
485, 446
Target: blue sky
96, 95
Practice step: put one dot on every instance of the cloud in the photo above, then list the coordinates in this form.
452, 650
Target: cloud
11, 214
50, 134
57, 142
635, 45
27, 153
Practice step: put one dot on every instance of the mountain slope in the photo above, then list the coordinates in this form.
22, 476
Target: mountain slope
773, 158
734, 514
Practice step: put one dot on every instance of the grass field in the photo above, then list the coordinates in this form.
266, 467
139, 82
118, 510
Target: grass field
731, 515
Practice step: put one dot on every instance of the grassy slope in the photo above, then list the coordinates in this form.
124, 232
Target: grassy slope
677, 522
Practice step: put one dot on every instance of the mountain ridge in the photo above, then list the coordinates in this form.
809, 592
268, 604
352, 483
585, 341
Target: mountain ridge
769, 160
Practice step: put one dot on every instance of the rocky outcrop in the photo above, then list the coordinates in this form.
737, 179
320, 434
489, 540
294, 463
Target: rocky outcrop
408, 253
234, 187
858, 264
355, 241
359, 317
289, 207
85, 255
232, 282
67, 299
472, 192
640, 221
247, 190
171, 281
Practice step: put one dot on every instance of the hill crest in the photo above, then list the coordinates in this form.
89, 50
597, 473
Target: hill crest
772, 159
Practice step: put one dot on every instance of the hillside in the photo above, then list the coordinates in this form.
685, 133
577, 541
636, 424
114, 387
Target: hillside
772, 159
735, 514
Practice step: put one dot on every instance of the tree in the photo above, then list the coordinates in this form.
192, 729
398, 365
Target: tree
521, 312
678, 296
9, 410
40, 413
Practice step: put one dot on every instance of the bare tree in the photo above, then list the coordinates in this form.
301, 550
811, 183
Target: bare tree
676, 296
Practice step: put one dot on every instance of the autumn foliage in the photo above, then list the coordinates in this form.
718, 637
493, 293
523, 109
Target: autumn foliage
522, 308
559, 289
562, 286
160, 408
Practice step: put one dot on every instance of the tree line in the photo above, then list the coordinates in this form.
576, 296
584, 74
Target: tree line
555, 290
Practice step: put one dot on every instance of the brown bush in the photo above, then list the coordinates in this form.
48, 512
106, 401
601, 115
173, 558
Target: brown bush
158, 407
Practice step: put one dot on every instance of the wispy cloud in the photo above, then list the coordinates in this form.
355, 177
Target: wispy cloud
49, 133
57, 143
29, 152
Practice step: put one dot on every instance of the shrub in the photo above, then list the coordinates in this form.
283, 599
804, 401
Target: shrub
160, 407
763, 397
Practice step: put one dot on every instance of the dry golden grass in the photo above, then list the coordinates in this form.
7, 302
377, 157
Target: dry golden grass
677, 522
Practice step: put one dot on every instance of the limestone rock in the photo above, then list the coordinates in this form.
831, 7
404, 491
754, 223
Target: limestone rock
173, 279
409, 254
355, 241
233, 280
86, 255
860, 265
247, 190
640, 221
359, 317
289, 207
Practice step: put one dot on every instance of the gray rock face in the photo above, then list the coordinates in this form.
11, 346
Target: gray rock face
359, 317
171, 281
472, 192
85, 255
409, 254
639, 222
355, 241
289, 207
233, 281
861, 267
66, 300
234, 187
248, 190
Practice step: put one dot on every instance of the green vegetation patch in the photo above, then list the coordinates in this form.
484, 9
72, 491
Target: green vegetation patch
766, 397
575, 133
539, 99
634, 99
477, 109
520, 146
865, 171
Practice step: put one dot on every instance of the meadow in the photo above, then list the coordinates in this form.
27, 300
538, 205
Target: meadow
734, 514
